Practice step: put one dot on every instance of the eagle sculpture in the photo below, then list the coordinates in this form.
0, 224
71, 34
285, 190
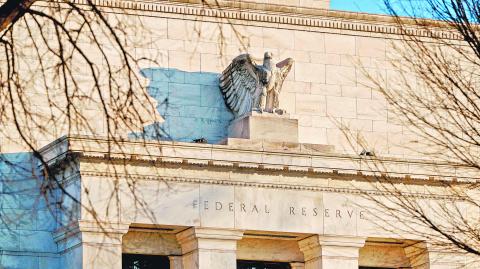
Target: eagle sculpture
248, 87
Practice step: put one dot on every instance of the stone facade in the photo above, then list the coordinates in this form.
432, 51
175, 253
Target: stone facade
213, 204
295, 200
325, 89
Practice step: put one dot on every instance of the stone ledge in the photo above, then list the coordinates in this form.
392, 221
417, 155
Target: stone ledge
266, 145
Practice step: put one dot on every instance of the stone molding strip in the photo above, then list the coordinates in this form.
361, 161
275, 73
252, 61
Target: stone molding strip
198, 180
287, 158
278, 14
6, 252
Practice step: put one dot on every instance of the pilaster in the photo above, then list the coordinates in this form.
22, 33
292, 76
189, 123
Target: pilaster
204, 248
92, 245
102, 246
330, 252
175, 262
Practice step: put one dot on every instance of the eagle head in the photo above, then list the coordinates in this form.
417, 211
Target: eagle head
267, 61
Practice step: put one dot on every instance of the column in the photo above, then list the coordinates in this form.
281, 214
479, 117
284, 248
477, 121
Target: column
423, 255
175, 262
331, 252
204, 248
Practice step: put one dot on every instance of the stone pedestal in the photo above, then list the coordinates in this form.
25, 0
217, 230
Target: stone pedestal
209, 248
265, 126
330, 252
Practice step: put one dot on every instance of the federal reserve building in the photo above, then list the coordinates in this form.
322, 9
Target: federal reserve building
249, 134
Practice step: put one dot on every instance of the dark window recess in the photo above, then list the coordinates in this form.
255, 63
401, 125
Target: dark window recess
135, 261
262, 265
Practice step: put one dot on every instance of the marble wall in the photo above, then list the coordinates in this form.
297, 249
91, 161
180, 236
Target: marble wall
190, 103
26, 217
326, 89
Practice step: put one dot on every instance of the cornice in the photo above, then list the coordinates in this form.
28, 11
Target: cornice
280, 15
286, 159
213, 165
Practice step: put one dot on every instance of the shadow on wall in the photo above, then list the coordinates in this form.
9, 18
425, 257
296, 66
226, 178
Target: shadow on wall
26, 222
190, 103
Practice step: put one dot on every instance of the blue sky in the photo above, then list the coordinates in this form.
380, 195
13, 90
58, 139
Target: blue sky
369, 6
378, 6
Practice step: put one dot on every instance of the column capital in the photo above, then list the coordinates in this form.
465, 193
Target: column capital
317, 245
297, 265
207, 238
90, 231
206, 248
424, 254
108, 228
341, 241
111, 233
222, 234
322, 252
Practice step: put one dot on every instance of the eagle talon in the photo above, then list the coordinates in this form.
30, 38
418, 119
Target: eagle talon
279, 111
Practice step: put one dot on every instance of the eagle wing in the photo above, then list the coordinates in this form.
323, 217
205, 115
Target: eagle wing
284, 68
239, 84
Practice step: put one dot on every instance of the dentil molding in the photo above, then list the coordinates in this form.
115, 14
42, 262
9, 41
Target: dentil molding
311, 18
